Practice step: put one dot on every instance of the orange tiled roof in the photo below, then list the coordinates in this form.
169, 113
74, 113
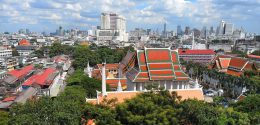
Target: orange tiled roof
113, 83
158, 63
237, 62
24, 42
233, 73
224, 62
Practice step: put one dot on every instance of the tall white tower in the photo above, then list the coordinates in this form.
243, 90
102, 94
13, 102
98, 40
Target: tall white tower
104, 88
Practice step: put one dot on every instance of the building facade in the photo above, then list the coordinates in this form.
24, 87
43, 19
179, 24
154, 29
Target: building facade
199, 56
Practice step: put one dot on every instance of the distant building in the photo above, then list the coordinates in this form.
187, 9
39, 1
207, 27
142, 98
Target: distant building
179, 30
199, 56
187, 30
5, 52
25, 50
229, 28
113, 27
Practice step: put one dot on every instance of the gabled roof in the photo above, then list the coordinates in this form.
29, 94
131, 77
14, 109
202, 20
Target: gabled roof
22, 72
156, 64
232, 65
41, 78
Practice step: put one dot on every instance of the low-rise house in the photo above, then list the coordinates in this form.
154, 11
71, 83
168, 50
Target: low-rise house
42, 80
14, 78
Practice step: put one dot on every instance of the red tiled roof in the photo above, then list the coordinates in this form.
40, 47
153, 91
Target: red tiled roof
24, 42
156, 64
237, 62
109, 66
196, 52
253, 56
224, 62
22, 72
8, 99
157, 55
160, 66
40, 79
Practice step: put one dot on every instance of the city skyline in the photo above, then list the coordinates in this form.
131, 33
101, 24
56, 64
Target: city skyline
43, 15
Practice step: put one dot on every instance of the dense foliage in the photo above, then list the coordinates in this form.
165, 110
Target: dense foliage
163, 108
65, 109
84, 54
250, 105
90, 85
160, 108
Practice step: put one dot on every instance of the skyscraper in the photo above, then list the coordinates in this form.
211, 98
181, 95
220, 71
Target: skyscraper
179, 30
229, 29
187, 30
221, 28
164, 30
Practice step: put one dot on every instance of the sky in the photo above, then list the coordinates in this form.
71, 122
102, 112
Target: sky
48, 15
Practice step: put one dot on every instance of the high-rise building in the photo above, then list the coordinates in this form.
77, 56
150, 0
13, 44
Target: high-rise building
113, 27
179, 30
164, 30
211, 31
187, 30
204, 32
229, 28
221, 28
113, 21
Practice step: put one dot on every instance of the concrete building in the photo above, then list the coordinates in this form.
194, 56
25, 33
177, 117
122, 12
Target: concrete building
113, 27
229, 29
201, 56
5, 52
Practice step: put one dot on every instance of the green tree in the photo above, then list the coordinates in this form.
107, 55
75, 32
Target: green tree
65, 109
4, 118
250, 105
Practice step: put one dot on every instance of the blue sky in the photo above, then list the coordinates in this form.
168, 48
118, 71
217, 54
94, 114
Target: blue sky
47, 15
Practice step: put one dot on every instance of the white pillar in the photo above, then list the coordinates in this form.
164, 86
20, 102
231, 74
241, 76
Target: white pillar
178, 85
165, 85
104, 91
171, 85
135, 86
182, 86
141, 86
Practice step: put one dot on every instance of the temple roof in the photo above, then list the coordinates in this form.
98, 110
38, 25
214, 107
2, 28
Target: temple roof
155, 64
232, 65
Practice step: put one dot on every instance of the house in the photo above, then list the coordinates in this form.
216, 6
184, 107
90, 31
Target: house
25, 50
200, 56
151, 66
43, 80
14, 78
232, 65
